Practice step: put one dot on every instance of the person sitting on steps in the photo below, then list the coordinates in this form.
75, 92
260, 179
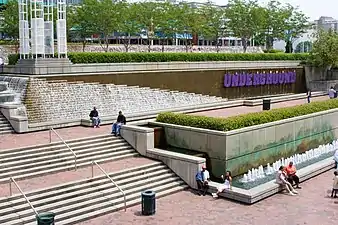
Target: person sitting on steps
281, 180
291, 173
121, 120
94, 117
227, 179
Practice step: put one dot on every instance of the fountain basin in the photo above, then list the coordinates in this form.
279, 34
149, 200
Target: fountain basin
6, 97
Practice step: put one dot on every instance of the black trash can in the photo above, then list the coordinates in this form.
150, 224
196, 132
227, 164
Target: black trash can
46, 218
148, 203
266, 104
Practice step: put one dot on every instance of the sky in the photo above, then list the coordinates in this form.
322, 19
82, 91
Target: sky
312, 8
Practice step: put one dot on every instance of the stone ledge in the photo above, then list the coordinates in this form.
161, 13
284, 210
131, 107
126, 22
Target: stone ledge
175, 155
270, 188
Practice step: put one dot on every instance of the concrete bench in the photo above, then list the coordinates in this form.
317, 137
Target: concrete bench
270, 188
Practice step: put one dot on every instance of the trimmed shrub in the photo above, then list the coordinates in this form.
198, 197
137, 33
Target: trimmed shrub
245, 120
13, 59
113, 57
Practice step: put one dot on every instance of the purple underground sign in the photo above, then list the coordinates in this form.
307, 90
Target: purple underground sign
256, 79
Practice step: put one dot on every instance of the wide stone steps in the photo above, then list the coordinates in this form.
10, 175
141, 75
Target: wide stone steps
5, 126
33, 161
85, 199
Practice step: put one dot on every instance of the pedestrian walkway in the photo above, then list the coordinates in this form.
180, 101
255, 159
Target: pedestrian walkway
311, 207
9, 141
235, 111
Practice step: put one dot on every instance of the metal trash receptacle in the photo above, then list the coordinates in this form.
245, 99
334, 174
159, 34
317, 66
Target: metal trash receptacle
46, 218
148, 203
266, 104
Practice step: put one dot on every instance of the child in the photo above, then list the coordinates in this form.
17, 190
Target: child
335, 185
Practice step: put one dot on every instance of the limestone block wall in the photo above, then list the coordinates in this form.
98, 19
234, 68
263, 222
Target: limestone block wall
58, 100
243, 149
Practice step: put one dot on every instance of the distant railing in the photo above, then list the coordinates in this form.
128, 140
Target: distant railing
23, 194
124, 194
50, 141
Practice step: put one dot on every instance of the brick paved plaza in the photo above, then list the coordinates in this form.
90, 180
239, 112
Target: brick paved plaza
311, 207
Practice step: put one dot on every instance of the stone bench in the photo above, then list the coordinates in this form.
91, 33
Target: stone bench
270, 188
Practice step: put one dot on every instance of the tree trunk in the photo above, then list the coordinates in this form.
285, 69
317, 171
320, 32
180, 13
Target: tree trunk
107, 43
245, 44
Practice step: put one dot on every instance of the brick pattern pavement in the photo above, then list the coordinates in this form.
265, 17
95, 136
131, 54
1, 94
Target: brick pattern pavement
234, 111
310, 207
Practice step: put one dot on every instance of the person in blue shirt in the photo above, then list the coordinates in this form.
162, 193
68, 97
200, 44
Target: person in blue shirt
202, 179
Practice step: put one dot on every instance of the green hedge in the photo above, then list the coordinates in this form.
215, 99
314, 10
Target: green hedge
246, 120
112, 57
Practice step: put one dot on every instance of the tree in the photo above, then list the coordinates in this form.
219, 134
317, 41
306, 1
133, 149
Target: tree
104, 17
245, 19
83, 22
167, 23
129, 25
325, 50
274, 23
148, 18
10, 21
296, 25
214, 22
190, 22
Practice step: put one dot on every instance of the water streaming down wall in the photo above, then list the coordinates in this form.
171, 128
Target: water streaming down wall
16, 86
61, 100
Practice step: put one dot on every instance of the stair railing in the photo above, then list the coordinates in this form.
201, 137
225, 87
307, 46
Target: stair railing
107, 175
50, 141
12, 180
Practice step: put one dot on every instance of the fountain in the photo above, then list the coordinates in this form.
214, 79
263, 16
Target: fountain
12, 89
259, 173
5, 94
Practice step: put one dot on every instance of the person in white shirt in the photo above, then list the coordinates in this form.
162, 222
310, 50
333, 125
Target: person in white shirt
332, 93
335, 185
281, 180
1, 64
335, 157
227, 180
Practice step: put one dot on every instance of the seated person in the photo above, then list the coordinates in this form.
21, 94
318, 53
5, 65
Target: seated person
291, 174
227, 179
121, 120
202, 179
281, 180
335, 185
94, 117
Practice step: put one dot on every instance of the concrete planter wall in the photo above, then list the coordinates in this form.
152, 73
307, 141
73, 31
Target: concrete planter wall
320, 79
242, 149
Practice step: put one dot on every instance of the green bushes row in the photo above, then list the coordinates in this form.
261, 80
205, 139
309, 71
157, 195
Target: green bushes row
112, 57
246, 120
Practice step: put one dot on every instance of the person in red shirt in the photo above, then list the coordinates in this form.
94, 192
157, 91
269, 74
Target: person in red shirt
291, 173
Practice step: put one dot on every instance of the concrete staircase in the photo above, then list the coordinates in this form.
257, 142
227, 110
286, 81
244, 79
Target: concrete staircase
32, 161
89, 198
5, 126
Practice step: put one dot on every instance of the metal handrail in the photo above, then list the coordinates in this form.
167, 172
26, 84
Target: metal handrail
50, 141
23, 194
123, 193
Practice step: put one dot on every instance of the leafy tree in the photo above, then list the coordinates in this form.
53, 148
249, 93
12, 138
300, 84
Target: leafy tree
148, 18
129, 25
296, 25
10, 21
275, 17
104, 17
83, 24
168, 22
325, 50
214, 22
245, 19
190, 21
